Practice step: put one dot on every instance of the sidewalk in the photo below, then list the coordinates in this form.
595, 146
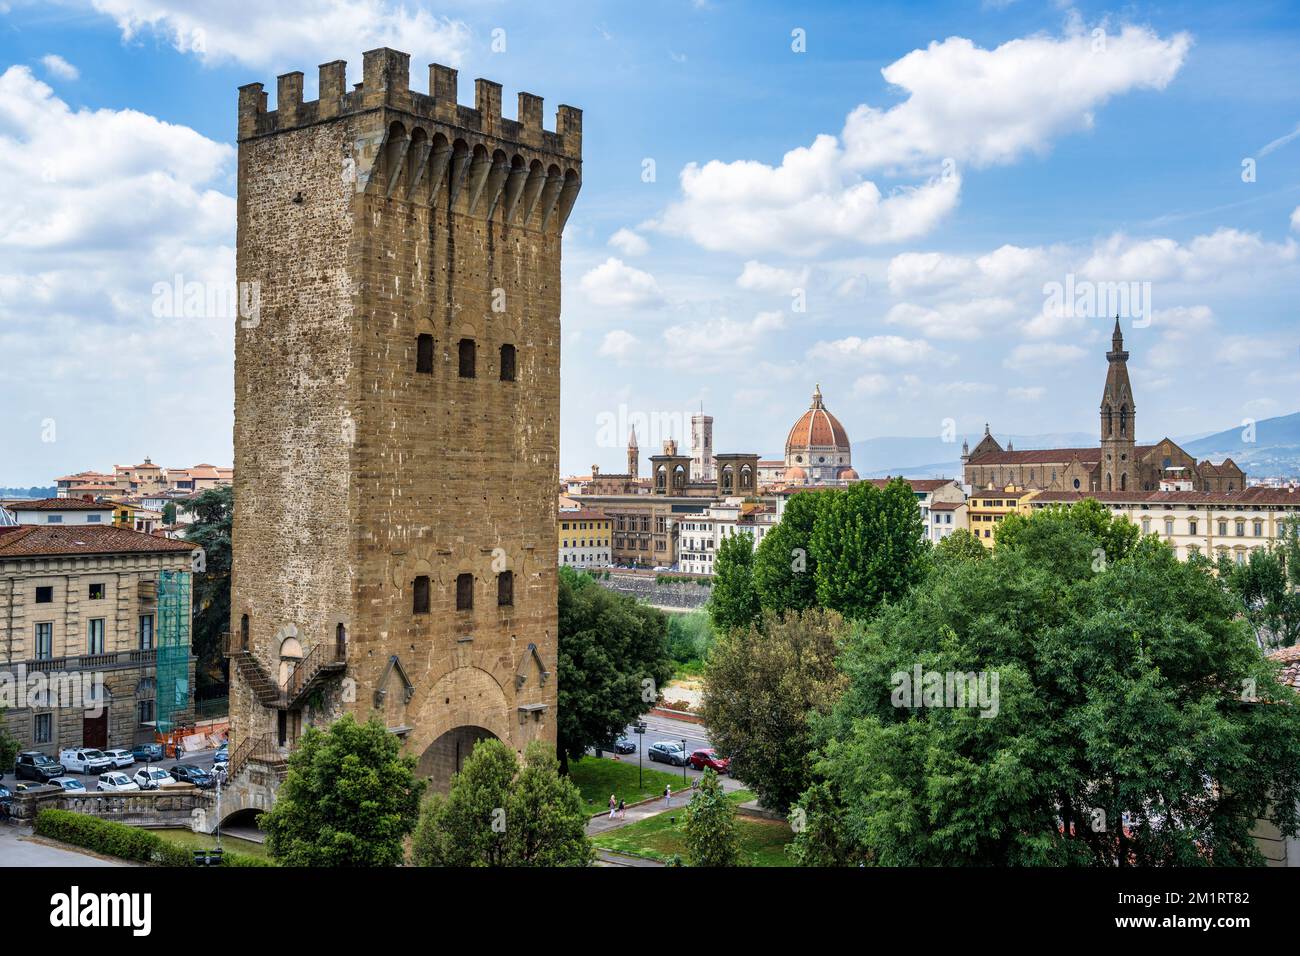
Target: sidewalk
639, 811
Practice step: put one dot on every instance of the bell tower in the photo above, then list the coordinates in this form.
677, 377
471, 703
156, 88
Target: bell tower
1118, 420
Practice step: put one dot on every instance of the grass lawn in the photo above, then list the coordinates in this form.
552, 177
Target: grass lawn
598, 777
206, 841
762, 842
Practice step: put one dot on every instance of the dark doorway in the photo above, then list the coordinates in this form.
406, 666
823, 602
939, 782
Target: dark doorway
94, 731
448, 754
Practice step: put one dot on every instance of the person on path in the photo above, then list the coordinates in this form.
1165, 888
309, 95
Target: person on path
622, 810
668, 795
613, 805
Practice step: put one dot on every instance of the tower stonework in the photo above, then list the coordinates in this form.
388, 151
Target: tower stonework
701, 447
1119, 466
397, 414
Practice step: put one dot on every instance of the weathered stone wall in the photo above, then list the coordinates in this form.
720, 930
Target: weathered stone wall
179, 805
676, 594
357, 472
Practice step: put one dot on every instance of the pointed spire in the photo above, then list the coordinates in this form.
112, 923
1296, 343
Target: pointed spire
631, 439
986, 428
1117, 337
817, 396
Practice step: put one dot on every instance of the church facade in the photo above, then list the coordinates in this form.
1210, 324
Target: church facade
1116, 463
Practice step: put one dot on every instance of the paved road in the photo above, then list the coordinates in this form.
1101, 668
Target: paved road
675, 731
17, 850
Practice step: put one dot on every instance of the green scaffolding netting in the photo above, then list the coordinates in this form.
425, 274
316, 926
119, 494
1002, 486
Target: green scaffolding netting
173, 688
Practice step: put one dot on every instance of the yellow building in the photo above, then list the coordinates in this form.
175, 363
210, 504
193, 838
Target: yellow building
986, 509
584, 539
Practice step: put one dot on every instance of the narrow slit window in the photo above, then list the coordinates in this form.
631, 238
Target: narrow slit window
424, 354
467, 358
421, 599
505, 589
507, 363
465, 592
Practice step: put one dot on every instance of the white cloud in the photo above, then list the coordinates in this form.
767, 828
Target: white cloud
1205, 258
1026, 393
966, 319
697, 343
1043, 354
758, 277
629, 243
619, 345
615, 284
878, 349
801, 206
870, 385
991, 107
996, 271
294, 34
59, 68
1295, 219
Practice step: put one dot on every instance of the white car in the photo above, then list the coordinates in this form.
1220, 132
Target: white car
120, 758
116, 782
151, 778
71, 784
85, 760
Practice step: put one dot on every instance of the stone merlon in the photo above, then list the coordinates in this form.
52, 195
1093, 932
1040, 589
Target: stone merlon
386, 84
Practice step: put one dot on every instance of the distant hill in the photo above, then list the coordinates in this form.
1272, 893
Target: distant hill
32, 492
1274, 452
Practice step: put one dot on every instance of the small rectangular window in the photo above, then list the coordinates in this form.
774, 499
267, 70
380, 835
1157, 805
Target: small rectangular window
464, 592
467, 354
54, 519
45, 595
97, 592
146, 632
424, 354
44, 641
144, 711
505, 589
43, 728
507, 363
421, 595
95, 636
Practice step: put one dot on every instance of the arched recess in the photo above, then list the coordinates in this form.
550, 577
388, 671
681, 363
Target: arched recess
396, 144
466, 697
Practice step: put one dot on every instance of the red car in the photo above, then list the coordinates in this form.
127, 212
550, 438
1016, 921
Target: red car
709, 758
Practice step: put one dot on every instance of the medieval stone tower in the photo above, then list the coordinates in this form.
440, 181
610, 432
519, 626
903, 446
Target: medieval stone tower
1118, 414
397, 400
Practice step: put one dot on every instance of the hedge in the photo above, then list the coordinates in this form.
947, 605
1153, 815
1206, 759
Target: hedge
127, 842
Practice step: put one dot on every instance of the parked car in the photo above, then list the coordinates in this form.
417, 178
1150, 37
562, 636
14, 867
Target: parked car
85, 760
120, 758
624, 746
5, 794
666, 751
189, 773
708, 757
71, 784
34, 765
116, 782
151, 778
147, 752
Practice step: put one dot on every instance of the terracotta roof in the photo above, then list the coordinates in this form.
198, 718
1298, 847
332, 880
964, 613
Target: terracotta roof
946, 505
1047, 456
37, 540
817, 428
1289, 658
59, 504
1256, 495
918, 484
586, 514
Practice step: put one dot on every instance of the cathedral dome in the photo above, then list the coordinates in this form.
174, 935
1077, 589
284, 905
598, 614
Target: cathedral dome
817, 429
795, 474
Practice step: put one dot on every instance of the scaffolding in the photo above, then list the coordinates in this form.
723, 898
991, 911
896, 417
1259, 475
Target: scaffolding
173, 684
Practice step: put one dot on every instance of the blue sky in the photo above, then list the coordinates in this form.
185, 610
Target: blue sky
883, 212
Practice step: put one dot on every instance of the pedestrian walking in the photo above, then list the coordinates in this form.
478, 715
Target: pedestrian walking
613, 806
668, 795
622, 810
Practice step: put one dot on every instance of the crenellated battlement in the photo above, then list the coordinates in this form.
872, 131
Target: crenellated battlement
385, 84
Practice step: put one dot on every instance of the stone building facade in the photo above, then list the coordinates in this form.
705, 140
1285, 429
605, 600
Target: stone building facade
79, 611
397, 412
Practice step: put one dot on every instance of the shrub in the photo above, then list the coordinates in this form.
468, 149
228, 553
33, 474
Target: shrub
127, 842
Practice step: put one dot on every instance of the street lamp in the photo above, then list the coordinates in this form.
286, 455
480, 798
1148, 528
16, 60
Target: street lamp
639, 729
683, 760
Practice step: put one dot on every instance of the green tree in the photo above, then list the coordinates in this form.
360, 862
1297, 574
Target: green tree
613, 658
1093, 535
711, 835
760, 686
869, 547
169, 513
498, 813
959, 546
735, 601
1134, 721
350, 799
8, 747
1265, 587
785, 567
690, 637
213, 516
